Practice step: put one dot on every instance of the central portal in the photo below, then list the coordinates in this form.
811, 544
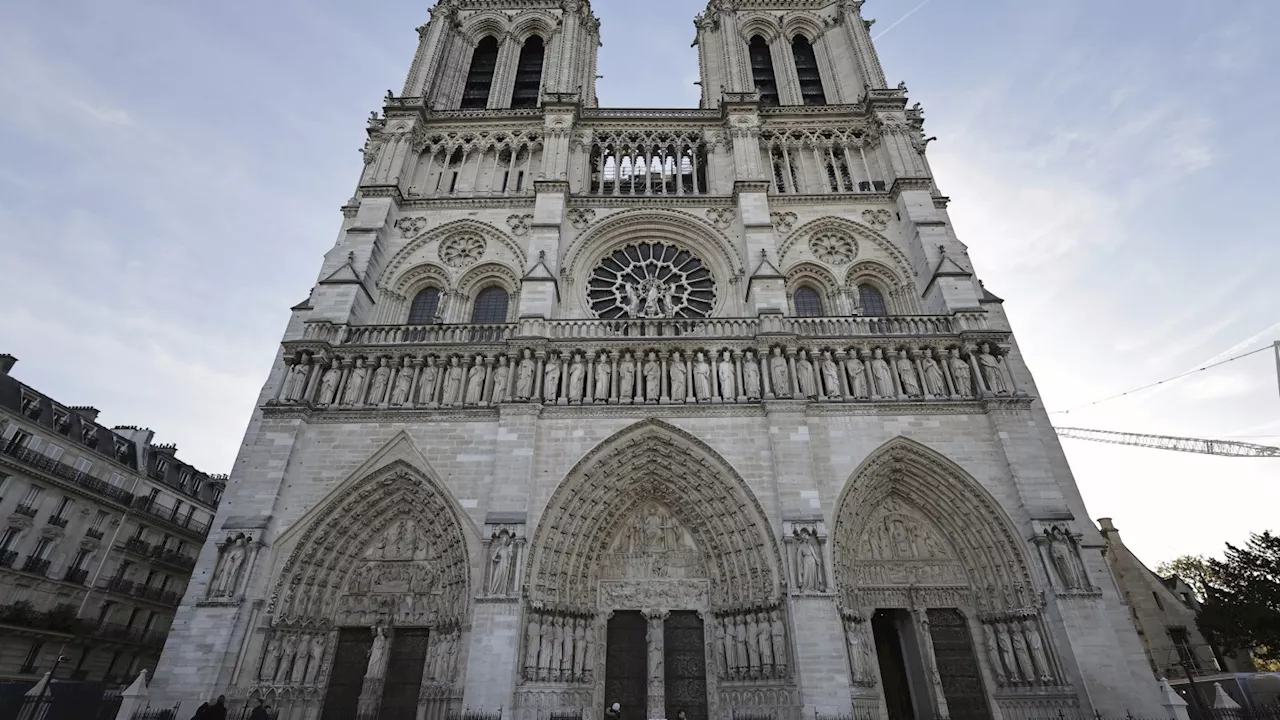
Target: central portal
685, 658
626, 664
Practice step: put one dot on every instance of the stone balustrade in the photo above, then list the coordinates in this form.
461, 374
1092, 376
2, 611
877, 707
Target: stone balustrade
712, 361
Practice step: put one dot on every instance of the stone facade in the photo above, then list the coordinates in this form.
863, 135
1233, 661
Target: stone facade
99, 531
702, 409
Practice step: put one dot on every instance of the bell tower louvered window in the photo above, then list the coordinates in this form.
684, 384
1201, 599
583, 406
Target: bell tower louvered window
475, 95
762, 71
529, 74
807, 71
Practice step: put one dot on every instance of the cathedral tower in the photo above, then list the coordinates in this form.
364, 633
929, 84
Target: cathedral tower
698, 410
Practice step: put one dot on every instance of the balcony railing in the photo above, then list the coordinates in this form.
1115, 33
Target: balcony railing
7, 557
35, 565
25, 509
57, 521
169, 515
68, 473
173, 558
22, 615
93, 533
138, 546
75, 575
120, 586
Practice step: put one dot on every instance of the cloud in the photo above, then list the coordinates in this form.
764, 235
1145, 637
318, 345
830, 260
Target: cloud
106, 115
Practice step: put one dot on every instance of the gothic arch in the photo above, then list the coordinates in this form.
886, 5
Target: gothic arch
649, 461
491, 22
379, 536
866, 236
674, 226
534, 23
803, 23
419, 277
762, 24
972, 521
810, 274
392, 274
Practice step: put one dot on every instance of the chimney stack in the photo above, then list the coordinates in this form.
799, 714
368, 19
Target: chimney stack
7, 362
90, 414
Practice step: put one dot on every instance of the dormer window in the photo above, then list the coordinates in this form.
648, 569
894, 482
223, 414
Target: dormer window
89, 436
62, 421
31, 406
162, 466
122, 450
184, 480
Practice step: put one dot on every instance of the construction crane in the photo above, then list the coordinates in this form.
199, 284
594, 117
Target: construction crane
1202, 446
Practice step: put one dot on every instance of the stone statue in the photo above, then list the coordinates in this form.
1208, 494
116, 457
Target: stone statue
669, 301
579, 648
751, 630
718, 650
524, 377
1006, 653
329, 384
317, 658
500, 565
633, 302
551, 379
300, 661
884, 380
779, 635
1020, 652
701, 378
270, 660
533, 642
603, 374
830, 376
556, 640
809, 564
778, 374
857, 377
725, 373
475, 382
991, 372
404, 383
960, 374
1064, 562
566, 655
589, 647
288, 658
853, 637
452, 384
427, 384
1037, 652
993, 650
731, 644
377, 655
934, 383
228, 575
295, 383
651, 307
652, 378
381, 378
577, 378
764, 641
907, 374
501, 375
355, 383
679, 377
751, 376
626, 378
804, 374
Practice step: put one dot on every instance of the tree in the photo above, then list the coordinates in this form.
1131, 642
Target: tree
1194, 569
1242, 597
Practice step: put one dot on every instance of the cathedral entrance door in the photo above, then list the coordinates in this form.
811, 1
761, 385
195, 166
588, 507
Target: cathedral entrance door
893, 664
350, 661
957, 666
626, 664
403, 679
685, 659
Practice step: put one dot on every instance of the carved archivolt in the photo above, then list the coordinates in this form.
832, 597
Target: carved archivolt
391, 275
388, 549
911, 518
653, 490
867, 237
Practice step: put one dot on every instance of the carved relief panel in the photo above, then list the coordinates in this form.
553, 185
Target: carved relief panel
652, 544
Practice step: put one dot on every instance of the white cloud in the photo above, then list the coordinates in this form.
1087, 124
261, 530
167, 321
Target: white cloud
107, 115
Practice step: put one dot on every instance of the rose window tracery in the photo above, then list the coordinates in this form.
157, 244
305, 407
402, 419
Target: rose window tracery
651, 280
461, 250
834, 248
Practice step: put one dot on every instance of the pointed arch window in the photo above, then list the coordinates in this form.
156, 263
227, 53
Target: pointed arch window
807, 302
484, 60
807, 71
871, 301
490, 307
426, 305
529, 73
762, 71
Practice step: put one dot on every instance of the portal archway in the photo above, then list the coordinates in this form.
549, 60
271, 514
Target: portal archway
940, 609
654, 538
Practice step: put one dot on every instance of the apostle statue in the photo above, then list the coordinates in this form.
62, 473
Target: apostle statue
427, 384
404, 383
355, 384
726, 375
857, 371
475, 382
501, 376
907, 374
381, 377
551, 379
603, 375
652, 378
961, 374
329, 384
778, 374
830, 375
991, 372
702, 378
751, 376
524, 376
679, 377
934, 383
804, 374
883, 376
453, 380
577, 378
626, 378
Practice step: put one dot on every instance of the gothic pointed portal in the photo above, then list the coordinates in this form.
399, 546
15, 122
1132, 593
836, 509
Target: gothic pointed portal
655, 521
930, 571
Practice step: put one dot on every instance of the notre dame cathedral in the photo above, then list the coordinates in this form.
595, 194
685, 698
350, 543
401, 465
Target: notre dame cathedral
698, 411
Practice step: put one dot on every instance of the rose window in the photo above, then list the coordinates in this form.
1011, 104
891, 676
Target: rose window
834, 248
651, 280
462, 250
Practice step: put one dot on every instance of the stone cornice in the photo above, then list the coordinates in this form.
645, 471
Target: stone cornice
655, 201
459, 203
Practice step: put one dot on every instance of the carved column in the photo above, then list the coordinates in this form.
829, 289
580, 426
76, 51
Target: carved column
737, 372
920, 620
657, 673
417, 378
538, 377
795, 379
892, 359
664, 388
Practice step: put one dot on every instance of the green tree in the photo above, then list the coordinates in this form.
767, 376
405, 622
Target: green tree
1194, 569
1242, 597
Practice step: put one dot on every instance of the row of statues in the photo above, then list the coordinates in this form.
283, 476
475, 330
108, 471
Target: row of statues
1017, 652
559, 648
627, 377
293, 659
751, 646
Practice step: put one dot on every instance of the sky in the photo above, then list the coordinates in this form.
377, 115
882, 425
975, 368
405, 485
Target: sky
171, 174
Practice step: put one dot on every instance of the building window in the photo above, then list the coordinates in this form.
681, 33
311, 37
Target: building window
84, 465
42, 548
528, 74
195, 487
217, 495
33, 655
99, 520
31, 406
425, 306
117, 480
491, 307
184, 479
53, 452
762, 71
77, 563
807, 71
871, 301
32, 497
475, 95
64, 507
807, 302
7, 538
1182, 643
